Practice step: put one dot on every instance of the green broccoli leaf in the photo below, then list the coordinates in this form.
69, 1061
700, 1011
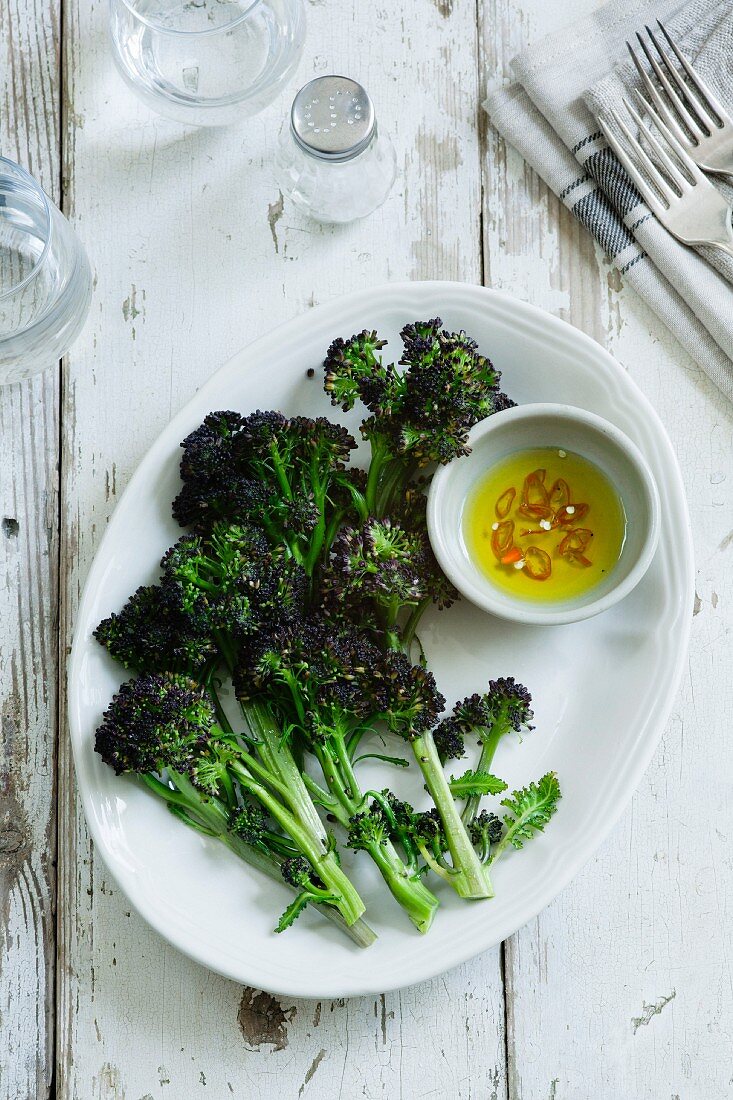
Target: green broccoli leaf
307, 896
476, 783
293, 911
398, 761
529, 811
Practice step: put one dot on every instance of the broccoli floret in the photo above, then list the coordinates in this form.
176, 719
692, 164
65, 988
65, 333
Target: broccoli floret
203, 448
232, 582
411, 513
152, 633
501, 402
486, 825
367, 829
428, 835
297, 871
384, 574
485, 830
166, 725
156, 722
284, 473
209, 585
354, 372
326, 672
507, 704
504, 708
407, 696
428, 827
375, 572
420, 416
419, 340
421, 834
449, 388
249, 822
202, 503
449, 742
377, 830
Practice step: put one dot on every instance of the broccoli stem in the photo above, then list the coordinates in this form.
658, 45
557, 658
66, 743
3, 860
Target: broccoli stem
470, 879
336, 784
341, 752
275, 753
410, 892
325, 800
280, 472
278, 758
324, 862
209, 811
334, 525
278, 769
359, 931
413, 622
379, 457
319, 533
405, 838
393, 480
279, 772
490, 738
356, 735
194, 804
406, 887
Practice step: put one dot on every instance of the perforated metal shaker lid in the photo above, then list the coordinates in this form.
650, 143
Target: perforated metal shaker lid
332, 118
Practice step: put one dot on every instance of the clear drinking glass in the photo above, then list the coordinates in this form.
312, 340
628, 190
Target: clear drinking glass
332, 162
45, 279
207, 62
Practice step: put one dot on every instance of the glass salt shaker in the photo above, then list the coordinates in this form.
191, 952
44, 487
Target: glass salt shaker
331, 161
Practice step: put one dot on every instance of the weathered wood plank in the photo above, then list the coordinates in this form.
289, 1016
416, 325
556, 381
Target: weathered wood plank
623, 986
29, 114
650, 987
196, 254
589, 1016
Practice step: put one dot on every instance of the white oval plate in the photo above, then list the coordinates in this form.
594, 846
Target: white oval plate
603, 688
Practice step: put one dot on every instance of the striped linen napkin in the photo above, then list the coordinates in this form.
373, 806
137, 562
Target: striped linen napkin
563, 84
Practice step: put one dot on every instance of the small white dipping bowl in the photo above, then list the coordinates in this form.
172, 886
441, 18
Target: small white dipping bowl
570, 429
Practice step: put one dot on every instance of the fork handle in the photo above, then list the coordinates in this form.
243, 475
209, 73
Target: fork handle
723, 246
721, 171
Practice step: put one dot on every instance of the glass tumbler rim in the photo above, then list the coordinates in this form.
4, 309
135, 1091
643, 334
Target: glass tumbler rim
173, 32
34, 186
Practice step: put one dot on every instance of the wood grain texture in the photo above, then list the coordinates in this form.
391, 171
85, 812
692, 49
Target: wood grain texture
639, 948
622, 987
196, 253
29, 111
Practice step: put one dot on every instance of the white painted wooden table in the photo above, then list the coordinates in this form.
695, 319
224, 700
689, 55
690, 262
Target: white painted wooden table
622, 989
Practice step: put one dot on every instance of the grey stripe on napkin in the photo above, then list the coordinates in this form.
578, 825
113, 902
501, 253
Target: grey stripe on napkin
564, 83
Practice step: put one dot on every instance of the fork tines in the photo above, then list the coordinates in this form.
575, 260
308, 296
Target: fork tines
699, 113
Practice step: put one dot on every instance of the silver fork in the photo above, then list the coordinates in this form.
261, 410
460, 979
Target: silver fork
699, 121
682, 198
